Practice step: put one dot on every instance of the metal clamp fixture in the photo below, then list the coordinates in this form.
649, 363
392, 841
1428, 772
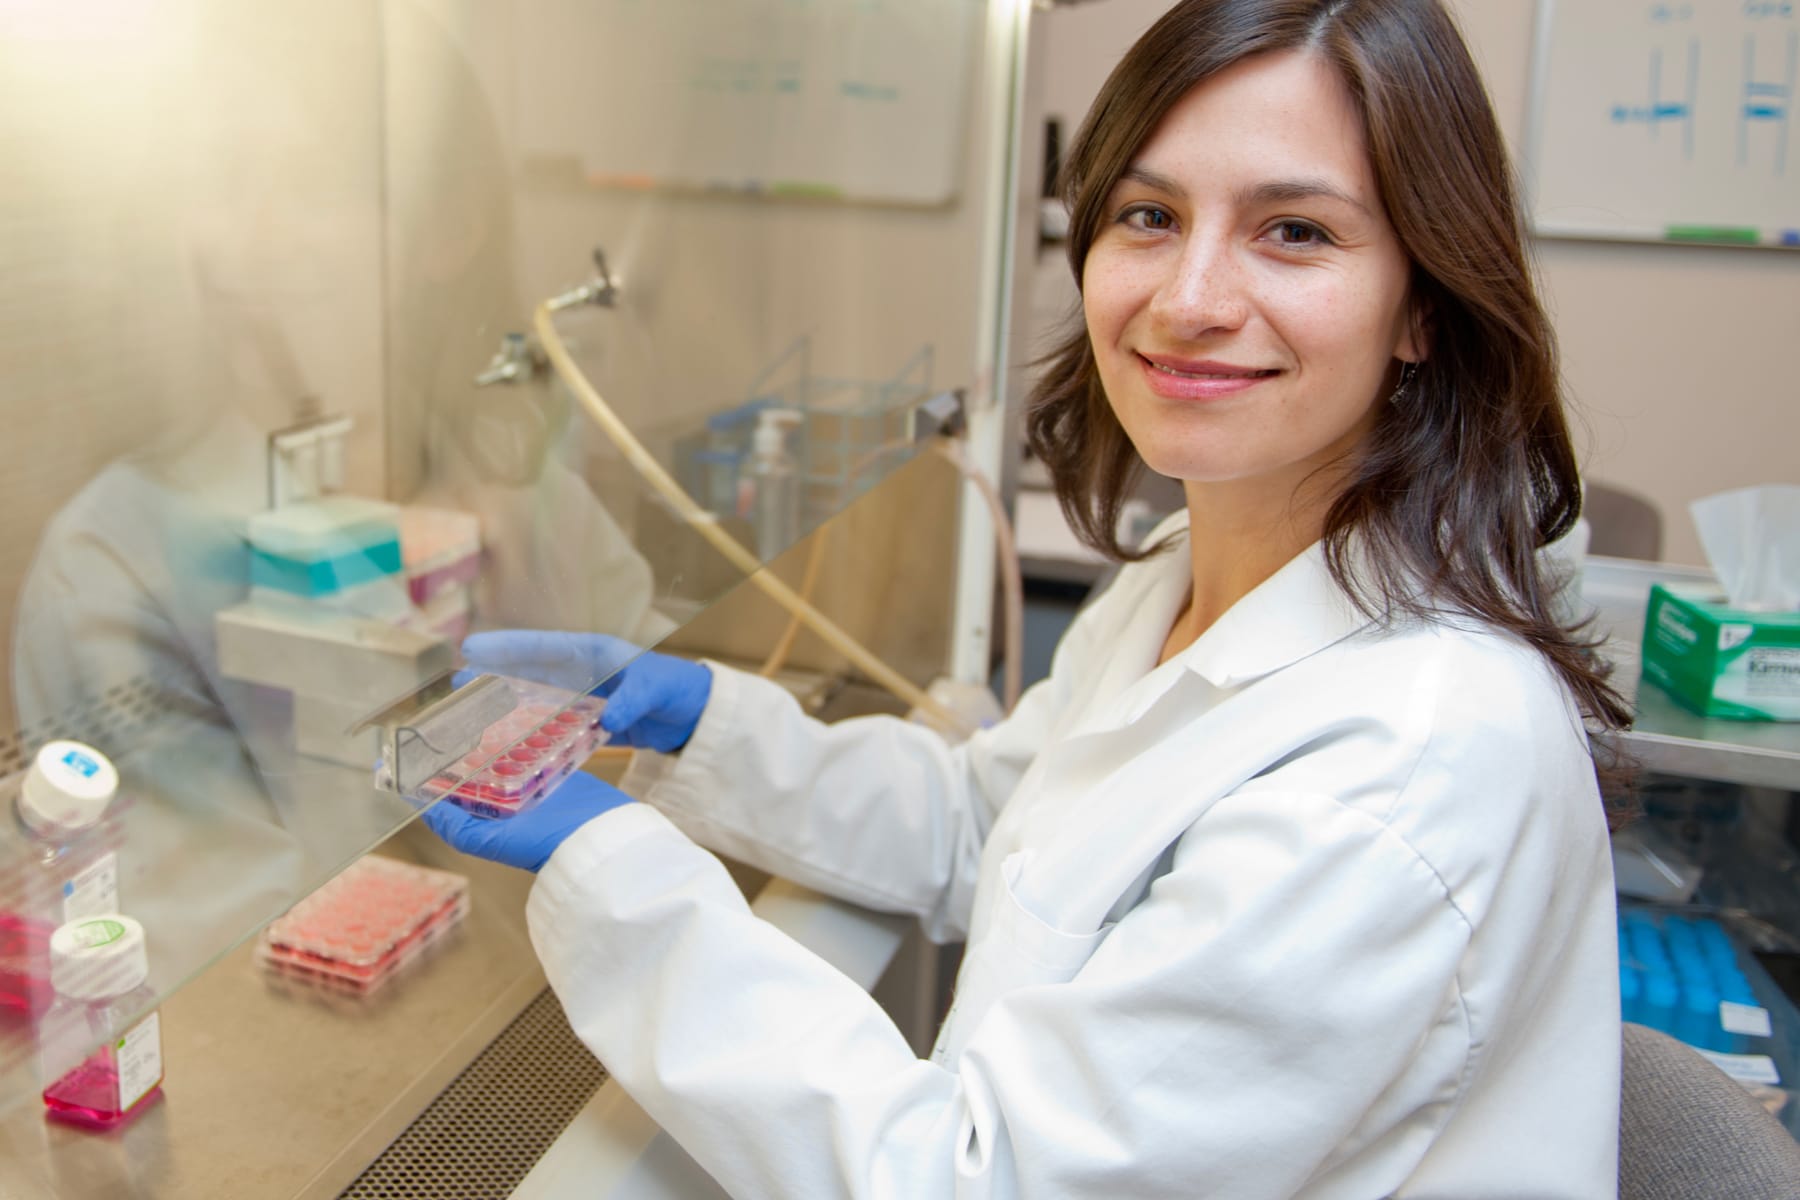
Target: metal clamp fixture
602, 289
520, 357
942, 415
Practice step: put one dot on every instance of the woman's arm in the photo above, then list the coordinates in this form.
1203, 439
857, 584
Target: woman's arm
1200, 1050
875, 810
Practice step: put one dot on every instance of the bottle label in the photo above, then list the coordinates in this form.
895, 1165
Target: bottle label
93, 890
139, 1057
90, 934
81, 764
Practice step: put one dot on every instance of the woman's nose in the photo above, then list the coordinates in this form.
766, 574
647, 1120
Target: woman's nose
1204, 291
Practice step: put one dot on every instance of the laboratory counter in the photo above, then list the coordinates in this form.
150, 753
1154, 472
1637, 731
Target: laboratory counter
276, 1089
1665, 736
280, 1090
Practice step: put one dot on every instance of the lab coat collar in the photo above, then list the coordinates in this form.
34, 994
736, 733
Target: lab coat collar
1295, 613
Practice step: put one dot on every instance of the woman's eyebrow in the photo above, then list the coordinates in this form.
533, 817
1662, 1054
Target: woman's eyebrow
1270, 191
1150, 179
1280, 191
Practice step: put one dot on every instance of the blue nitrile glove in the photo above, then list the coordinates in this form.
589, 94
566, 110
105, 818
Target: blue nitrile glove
652, 700
526, 841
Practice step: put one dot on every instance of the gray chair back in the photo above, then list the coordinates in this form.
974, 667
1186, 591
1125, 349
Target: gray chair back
1687, 1130
1621, 523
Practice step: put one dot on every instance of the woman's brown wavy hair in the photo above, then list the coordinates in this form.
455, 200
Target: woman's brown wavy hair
1460, 483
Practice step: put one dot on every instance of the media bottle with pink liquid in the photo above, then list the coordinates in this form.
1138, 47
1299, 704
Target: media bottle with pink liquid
58, 862
101, 1042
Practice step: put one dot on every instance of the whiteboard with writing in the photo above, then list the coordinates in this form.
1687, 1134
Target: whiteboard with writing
1666, 120
852, 99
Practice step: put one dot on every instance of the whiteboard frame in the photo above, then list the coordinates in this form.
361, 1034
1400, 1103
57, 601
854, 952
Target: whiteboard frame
1531, 157
568, 162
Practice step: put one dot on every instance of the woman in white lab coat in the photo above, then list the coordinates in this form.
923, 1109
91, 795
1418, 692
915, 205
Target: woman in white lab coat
1292, 879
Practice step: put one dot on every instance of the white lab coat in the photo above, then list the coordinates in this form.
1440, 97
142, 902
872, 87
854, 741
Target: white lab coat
1312, 909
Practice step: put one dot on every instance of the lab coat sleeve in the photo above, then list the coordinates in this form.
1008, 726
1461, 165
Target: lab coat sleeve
1238, 1033
86, 624
875, 810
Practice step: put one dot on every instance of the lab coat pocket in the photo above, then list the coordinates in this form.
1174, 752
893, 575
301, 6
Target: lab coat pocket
1010, 947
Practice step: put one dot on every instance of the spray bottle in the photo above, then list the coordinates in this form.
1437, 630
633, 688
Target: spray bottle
769, 484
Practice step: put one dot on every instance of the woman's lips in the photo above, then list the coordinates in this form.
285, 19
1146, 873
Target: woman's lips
1180, 379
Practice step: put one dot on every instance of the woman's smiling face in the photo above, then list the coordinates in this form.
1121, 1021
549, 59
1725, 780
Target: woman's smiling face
1245, 296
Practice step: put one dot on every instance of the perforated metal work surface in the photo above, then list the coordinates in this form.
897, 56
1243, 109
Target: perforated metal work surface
488, 1128
111, 723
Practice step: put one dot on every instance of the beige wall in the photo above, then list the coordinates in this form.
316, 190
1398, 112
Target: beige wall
1679, 359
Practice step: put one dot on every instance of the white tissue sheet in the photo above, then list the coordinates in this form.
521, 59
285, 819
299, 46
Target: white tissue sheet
1752, 540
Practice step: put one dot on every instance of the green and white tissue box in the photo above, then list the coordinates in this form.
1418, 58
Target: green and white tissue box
1722, 661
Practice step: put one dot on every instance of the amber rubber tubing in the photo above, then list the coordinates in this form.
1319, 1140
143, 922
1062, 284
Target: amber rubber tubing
543, 320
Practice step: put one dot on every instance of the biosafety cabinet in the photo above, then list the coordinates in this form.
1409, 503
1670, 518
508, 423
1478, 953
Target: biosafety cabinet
333, 332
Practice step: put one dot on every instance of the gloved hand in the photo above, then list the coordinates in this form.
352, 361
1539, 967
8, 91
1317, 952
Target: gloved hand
653, 702
527, 840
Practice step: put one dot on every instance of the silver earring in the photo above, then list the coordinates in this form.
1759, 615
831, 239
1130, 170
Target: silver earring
1407, 371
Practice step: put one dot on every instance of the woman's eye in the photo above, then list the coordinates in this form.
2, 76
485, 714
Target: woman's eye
1300, 233
1149, 217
